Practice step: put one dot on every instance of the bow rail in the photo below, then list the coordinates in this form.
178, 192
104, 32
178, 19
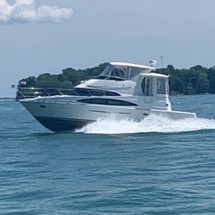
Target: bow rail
31, 92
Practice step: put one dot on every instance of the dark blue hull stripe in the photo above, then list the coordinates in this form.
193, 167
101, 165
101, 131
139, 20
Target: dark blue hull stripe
61, 124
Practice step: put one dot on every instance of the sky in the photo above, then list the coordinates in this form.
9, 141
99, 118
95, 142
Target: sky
46, 36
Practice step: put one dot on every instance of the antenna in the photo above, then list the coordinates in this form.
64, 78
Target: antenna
161, 60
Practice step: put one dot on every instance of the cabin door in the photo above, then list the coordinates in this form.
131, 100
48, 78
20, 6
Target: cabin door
147, 88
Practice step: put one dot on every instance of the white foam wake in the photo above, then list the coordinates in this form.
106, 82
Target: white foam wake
152, 123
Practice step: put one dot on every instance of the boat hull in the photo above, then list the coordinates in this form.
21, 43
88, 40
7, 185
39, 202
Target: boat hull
67, 114
60, 125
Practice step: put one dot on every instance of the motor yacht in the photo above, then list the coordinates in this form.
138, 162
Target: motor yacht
125, 90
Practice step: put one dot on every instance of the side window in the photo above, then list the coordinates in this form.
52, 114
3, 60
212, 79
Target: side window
161, 86
149, 87
143, 86
112, 102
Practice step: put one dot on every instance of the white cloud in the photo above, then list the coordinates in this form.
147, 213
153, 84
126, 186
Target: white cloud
53, 13
26, 11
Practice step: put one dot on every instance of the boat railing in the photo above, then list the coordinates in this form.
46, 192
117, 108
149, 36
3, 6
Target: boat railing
31, 92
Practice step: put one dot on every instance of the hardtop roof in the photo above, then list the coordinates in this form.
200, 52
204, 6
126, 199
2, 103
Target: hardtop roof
152, 74
131, 65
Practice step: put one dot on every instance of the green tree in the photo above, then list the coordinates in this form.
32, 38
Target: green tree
196, 80
211, 79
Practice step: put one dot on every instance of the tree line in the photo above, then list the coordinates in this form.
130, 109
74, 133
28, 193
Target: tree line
195, 80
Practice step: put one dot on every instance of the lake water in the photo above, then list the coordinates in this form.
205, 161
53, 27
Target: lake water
156, 166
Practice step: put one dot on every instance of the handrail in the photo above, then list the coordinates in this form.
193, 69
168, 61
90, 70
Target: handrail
31, 92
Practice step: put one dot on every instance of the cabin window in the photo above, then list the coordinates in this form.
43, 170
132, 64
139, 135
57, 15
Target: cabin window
93, 92
113, 102
161, 86
143, 86
149, 87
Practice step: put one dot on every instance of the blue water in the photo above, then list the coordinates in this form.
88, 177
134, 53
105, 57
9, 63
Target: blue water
112, 167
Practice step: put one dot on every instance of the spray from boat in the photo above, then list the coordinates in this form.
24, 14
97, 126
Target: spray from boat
152, 123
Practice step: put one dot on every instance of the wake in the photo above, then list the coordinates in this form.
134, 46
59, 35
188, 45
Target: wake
151, 123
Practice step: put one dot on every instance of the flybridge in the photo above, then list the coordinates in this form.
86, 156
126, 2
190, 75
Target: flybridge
123, 71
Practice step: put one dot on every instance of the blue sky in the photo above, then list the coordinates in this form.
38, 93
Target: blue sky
49, 35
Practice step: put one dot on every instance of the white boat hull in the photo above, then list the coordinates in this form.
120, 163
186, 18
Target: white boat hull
67, 114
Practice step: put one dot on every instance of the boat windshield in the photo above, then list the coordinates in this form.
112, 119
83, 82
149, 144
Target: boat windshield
120, 72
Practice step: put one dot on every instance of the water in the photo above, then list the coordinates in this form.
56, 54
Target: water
156, 166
